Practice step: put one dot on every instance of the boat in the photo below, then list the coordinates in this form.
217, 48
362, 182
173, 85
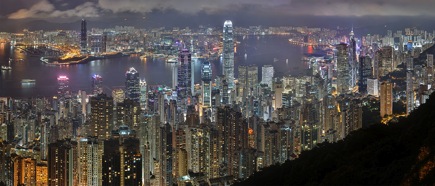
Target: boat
172, 60
28, 81
6, 67
246, 56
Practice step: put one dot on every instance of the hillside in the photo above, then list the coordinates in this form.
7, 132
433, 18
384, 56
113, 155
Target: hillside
401, 153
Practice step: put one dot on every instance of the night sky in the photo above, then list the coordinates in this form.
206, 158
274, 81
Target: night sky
39, 14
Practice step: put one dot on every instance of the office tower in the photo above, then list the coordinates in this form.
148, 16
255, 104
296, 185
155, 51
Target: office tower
197, 146
132, 85
228, 53
353, 61
184, 73
143, 94
277, 97
343, 69
101, 116
166, 154
206, 84
309, 124
62, 164
385, 60
373, 87
83, 37
184, 86
248, 80
386, 99
118, 95
267, 73
365, 72
24, 171
63, 86
97, 84
174, 73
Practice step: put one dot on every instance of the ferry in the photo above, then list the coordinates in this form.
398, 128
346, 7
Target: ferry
6, 67
172, 60
28, 81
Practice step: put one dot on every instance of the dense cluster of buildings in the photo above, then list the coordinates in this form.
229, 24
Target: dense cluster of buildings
213, 133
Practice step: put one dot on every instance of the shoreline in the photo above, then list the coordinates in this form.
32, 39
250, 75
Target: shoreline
85, 60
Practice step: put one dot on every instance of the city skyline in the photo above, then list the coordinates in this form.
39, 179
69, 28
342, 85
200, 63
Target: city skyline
210, 104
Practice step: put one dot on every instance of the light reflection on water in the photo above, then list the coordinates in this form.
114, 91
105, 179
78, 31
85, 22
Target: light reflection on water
259, 52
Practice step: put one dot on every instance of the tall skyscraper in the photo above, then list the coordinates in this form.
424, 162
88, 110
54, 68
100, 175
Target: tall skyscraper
83, 37
267, 73
143, 94
101, 116
97, 84
248, 79
62, 165
206, 75
343, 67
228, 53
365, 72
430, 70
63, 86
118, 95
184, 87
409, 85
386, 99
132, 85
353, 61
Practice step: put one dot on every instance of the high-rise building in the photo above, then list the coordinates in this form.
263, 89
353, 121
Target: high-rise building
83, 37
228, 53
409, 85
373, 87
430, 70
101, 116
353, 61
24, 171
343, 69
386, 99
97, 84
97, 44
90, 161
132, 85
63, 86
118, 95
143, 94
365, 72
267, 75
62, 164
184, 87
248, 80
385, 60
206, 75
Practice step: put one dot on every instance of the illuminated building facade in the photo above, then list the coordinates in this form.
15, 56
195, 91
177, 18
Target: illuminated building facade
63, 86
267, 73
206, 75
101, 116
143, 94
343, 67
386, 99
132, 85
83, 37
97, 84
228, 53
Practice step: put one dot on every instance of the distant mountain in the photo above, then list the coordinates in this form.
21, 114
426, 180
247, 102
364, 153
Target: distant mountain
402, 153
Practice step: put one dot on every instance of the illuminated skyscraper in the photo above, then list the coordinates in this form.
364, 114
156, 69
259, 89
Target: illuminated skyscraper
343, 67
184, 87
353, 59
430, 70
386, 98
267, 73
132, 85
83, 37
63, 86
143, 94
97, 84
409, 85
206, 84
101, 116
118, 95
365, 72
228, 53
